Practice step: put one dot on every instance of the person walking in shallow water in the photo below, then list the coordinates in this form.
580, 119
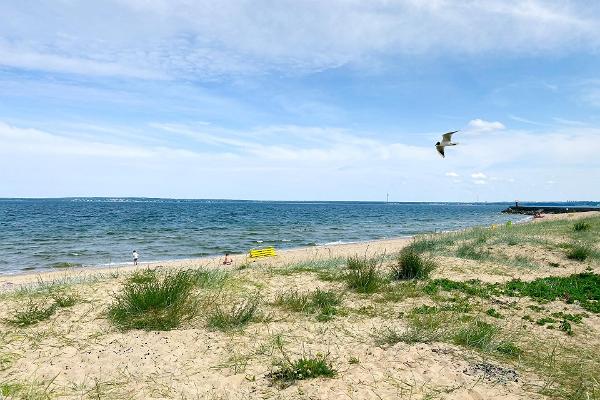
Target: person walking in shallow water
135, 257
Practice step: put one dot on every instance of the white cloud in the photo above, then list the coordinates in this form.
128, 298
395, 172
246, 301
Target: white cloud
479, 182
452, 174
196, 38
478, 175
479, 125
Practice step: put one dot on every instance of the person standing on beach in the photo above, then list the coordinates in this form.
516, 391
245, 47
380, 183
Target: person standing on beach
135, 257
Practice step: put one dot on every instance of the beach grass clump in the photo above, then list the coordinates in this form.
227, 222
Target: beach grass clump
363, 274
306, 367
492, 312
581, 226
579, 251
160, 304
29, 391
478, 335
142, 276
64, 300
471, 252
412, 265
209, 278
509, 349
320, 302
34, 312
234, 317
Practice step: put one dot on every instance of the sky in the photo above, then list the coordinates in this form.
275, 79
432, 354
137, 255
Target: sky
300, 100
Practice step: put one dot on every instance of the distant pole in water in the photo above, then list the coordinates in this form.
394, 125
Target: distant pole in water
387, 198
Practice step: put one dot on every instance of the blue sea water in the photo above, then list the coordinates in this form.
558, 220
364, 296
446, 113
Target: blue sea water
37, 234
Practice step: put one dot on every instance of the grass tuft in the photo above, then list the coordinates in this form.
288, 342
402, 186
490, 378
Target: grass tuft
63, 300
320, 302
411, 265
302, 368
478, 335
33, 313
581, 226
579, 252
235, 317
160, 304
362, 274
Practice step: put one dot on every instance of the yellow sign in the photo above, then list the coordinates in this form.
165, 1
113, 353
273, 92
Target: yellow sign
266, 252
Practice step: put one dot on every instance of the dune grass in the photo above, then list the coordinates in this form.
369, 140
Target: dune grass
159, 303
289, 371
234, 317
34, 312
322, 303
411, 265
579, 251
363, 274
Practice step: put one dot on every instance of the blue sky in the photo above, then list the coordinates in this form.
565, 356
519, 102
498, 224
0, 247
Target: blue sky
300, 100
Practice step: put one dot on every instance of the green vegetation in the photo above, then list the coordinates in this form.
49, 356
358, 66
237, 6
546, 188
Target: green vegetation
579, 252
29, 391
363, 275
493, 313
411, 265
33, 313
319, 302
353, 360
581, 226
304, 367
509, 349
234, 317
63, 300
143, 276
478, 335
471, 252
161, 303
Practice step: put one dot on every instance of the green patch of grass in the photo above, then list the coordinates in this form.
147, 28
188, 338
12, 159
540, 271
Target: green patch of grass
584, 288
29, 391
143, 276
64, 300
307, 367
235, 317
478, 335
493, 313
509, 349
33, 313
545, 320
363, 276
400, 291
565, 326
411, 265
317, 265
320, 302
581, 226
471, 252
579, 251
160, 304
576, 318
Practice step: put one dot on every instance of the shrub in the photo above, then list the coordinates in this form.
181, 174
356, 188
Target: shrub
154, 304
235, 317
362, 275
411, 265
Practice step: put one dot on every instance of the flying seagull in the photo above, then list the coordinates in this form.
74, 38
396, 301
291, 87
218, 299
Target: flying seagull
446, 141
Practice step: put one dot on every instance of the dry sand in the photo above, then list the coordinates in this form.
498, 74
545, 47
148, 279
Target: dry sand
78, 353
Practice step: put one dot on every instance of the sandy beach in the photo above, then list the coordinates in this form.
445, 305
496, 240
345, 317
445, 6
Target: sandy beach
404, 339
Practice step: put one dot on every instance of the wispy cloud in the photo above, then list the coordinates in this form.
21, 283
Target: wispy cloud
184, 39
481, 126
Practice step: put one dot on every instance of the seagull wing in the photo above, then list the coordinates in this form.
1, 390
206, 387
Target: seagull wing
447, 137
440, 150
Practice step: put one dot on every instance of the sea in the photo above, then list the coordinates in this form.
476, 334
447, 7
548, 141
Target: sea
45, 234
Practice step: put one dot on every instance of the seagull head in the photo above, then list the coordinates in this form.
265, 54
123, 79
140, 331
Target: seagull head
437, 144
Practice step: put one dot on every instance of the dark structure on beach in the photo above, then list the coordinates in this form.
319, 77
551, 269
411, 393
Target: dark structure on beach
531, 210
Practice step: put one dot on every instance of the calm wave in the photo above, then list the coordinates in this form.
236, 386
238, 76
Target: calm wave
52, 233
